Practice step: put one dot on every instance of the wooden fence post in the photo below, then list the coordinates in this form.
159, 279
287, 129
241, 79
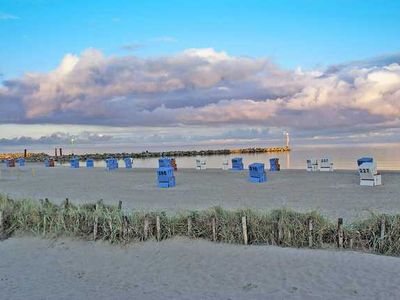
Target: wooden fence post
119, 204
146, 228
66, 204
383, 229
96, 223
158, 226
214, 230
244, 226
280, 232
310, 232
340, 233
2, 227
125, 227
189, 226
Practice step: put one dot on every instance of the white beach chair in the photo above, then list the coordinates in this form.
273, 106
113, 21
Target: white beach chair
225, 164
326, 165
312, 165
200, 164
369, 175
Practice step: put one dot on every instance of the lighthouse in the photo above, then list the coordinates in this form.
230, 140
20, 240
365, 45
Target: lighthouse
287, 139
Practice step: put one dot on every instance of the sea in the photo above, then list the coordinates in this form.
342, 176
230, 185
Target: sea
344, 157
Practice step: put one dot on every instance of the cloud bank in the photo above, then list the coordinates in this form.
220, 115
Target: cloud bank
204, 87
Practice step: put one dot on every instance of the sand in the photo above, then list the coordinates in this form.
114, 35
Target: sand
336, 194
32, 268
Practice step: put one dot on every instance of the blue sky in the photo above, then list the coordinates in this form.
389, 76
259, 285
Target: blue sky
192, 72
293, 33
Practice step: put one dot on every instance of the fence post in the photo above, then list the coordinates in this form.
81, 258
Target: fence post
96, 222
158, 226
2, 229
310, 232
340, 233
146, 228
214, 230
244, 226
280, 232
119, 204
66, 204
383, 229
189, 226
125, 225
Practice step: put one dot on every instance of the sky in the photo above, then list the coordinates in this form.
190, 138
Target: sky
199, 72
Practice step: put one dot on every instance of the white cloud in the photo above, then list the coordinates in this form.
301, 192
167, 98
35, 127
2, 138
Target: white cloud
204, 87
4, 16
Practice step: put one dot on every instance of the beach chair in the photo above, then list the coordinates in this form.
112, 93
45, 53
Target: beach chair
369, 176
10, 163
237, 164
21, 162
49, 163
201, 163
111, 164
225, 164
312, 165
257, 173
326, 165
128, 162
274, 164
74, 162
165, 177
89, 163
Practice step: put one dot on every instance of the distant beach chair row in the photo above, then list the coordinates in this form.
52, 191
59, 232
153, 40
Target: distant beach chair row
11, 163
237, 164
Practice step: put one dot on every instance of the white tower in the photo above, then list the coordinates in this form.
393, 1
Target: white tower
287, 138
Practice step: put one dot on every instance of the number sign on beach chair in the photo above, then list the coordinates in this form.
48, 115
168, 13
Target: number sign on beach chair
201, 163
312, 165
326, 165
257, 173
369, 176
165, 177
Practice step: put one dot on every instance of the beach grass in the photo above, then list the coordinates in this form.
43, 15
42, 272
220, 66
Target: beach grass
379, 233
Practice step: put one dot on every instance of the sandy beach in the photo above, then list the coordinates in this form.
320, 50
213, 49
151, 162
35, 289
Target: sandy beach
180, 268
33, 268
335, 194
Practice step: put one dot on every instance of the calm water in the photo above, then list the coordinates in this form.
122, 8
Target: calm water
343, 157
